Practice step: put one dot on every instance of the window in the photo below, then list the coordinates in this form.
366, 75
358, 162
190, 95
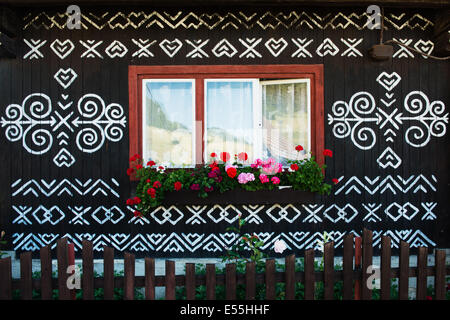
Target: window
180, 114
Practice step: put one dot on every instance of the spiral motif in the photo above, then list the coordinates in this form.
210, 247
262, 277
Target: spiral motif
13, 132
37, 106
365, 137
90, 139
362, 103
14, 112
113, 133
340, 109
91, 106
438, 128
418, 136
41, 139
341, 129
416, 102
114, 111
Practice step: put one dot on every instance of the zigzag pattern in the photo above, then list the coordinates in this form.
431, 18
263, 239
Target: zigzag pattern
234, 20
43, 188
210, 243
390, 183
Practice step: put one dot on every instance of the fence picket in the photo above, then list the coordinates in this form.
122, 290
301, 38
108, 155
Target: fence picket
309, 274
26, 285
250, 285
230, 281
290, 277
5, 279
108, 273
63, 262
439, 278
367, 254
46, 273
170, 280
270, 279
128, 279
328, 270
150, 278
421, 291
403, 281
358, 254
347, 261
88, 270
190, 281
385, 268
210, 281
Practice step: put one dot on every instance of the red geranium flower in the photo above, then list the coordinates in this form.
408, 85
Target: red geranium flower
151, 191
156, 184
213, 165
328, 153
130, 171
245, 238
139, 166
137, 200
130, 202
177, 185
213, 155
137, 213
294, 167
299, 148
429, 298
243, 156
151, 163
132, 159
225, 156
335, 181
231, 172
148, 181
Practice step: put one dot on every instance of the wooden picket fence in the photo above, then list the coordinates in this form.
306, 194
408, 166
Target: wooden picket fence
357, 256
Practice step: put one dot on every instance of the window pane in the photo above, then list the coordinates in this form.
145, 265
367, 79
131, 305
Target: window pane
168, 122
229, 117
285, 119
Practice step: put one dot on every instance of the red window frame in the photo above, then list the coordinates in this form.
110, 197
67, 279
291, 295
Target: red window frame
137, 73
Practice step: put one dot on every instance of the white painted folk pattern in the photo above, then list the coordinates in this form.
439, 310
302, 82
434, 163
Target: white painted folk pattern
196, 242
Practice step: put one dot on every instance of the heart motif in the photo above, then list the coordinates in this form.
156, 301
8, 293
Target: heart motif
389, 81
426, 47
65, 77
116, 49
276, 47
171, 47
62, 48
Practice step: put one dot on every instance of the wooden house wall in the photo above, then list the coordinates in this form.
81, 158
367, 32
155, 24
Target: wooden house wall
391, 159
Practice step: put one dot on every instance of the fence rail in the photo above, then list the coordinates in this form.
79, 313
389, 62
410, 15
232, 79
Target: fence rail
357, 256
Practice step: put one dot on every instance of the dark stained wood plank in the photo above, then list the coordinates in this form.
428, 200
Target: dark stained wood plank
309, 274
385, 268
128, 276
367, 254
5, 279
108, 273
347, 266
71, 261
230, 281
63, 262
170, 280
88, 270
270, 279
290, 277
421, 274
403, 281
210, 281
46, 273
328, 270
439, 278
250, 280
190, 281
149, 279
26, 288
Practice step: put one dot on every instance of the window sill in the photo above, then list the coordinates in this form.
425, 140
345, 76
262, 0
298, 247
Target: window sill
241, 197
